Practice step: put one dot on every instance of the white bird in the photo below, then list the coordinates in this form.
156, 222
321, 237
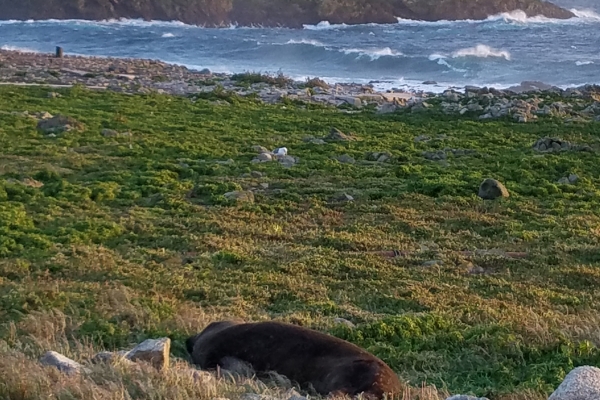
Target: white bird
281, 151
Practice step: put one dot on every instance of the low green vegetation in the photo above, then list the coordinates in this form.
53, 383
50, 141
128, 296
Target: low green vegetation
105, 241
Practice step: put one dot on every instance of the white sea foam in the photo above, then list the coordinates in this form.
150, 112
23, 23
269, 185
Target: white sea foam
580, 63
373, 54
311, 42
481, 51
323, 26
20, 49
168, 35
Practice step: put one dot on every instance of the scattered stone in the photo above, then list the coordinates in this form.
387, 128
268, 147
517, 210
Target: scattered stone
62, 363
435, 155
344, 321
337, 135
573, 178
263, 157
491, 189
54, 95
264, 185
474, 269
288, 161
260, 149
58, 124
387, 108
241, 196
256, 174
343, 198
109, 357
153, 351
346, 159
582, 383
109, 133
422, 138
550, 145
43, 115
419, 107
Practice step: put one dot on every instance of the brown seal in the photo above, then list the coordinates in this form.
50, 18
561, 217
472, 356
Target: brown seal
329, 364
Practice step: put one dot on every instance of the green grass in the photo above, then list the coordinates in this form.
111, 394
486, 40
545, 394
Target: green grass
131, 237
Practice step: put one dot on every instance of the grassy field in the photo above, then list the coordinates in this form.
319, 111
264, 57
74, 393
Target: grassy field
132, 237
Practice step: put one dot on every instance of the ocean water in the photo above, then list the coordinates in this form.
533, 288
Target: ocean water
500, 51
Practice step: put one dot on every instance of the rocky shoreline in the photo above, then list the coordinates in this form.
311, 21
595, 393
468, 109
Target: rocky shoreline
275, 13
523, 103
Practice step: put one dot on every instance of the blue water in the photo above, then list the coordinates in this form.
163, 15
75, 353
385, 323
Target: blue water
500, 51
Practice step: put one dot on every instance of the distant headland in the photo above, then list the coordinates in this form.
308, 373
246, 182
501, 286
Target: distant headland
275, 13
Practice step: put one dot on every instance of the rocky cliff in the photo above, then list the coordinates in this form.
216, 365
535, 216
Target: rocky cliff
290, 13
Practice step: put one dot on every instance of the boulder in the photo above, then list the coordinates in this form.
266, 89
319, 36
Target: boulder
346, 159
337, 135
62, 363
288, 161
263, 157
58, 124
582, 383
260, 149
241, 196
109, 133
343, 321
153, 351
491, 189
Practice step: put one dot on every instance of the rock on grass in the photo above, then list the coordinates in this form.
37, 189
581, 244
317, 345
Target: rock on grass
582, 383
59, 124
62, 363
491, 189
153, 351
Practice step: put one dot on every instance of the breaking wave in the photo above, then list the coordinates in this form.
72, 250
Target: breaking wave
481, 51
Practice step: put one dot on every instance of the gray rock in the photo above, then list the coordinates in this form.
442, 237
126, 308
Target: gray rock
263, 157
109, 133
58, 124
465, 397
256, 174
582, 383
153, 351
260, 149
422, 138
573, 178
344, 321
241, 196
435, 155
288, 161
563, 181
343, 198
62, 363
346, 159
387, 108
491, 189
337, 135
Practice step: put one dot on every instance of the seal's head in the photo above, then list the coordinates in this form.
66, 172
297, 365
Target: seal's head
212, 329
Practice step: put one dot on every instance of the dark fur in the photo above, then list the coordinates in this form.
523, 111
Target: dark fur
329, 364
